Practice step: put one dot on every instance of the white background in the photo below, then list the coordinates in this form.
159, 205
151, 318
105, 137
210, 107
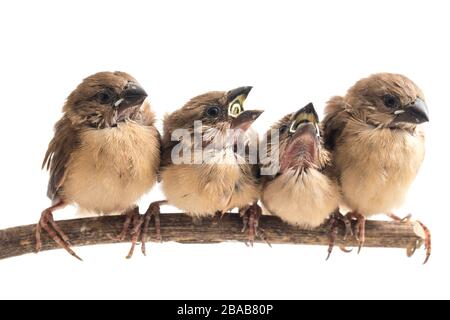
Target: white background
292, 53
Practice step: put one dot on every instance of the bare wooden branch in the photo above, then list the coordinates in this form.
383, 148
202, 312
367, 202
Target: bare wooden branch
180, 228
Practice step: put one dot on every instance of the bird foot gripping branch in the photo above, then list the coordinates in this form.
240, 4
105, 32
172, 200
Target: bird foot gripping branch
48, 223
140, 225
250, 217
333, 223
153, 211
422, 232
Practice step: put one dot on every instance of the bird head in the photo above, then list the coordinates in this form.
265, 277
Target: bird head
299, 145
217, 110
388, 100
104, 99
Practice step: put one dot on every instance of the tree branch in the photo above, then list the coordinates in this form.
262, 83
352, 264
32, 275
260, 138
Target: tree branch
180, 228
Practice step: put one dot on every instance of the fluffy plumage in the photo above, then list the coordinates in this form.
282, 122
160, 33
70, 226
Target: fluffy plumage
376, 142
105, 153
300, 191
227, 180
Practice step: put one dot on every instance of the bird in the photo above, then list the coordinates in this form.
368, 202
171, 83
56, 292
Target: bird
104, 155
377, 142
297, 185
206, 166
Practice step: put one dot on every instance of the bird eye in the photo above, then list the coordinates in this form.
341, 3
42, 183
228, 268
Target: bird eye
391, 101
105, 96
283, 129
213, 111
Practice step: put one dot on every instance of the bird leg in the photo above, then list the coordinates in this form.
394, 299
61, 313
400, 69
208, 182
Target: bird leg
250, 216
47, 223
218, 217
360, 227
135, 233
335, 218
412, 247
140, 224
245, 220
427, 239
153, 211
130, 214
398, 219
132, 217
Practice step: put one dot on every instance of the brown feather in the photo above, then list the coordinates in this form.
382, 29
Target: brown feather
58, 154
102, 162
374, 161
303, 196
203, 189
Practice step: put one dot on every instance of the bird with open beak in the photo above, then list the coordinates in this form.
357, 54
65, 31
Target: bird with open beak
215, 175
105, 152
377, 144
298, 188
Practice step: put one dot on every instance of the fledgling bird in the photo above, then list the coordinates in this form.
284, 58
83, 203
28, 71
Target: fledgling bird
300, 192
377, 144
105, 152
215, 176
298, 186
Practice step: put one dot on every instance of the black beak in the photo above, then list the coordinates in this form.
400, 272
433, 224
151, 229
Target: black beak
245, 119
308, 112
241, 91
132, 95
416, 112
305, 117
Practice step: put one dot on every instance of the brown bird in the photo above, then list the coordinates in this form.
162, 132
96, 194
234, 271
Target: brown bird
105, 153
299, 191
298, 187
215, 175
377, 144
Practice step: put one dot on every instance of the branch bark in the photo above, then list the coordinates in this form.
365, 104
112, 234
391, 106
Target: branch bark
180, 228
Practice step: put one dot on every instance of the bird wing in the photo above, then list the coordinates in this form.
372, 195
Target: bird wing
58, 155
334, 122
158, 172
148, 119
166, 152
254, 167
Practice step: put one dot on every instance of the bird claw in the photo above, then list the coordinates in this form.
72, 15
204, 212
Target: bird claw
140, 227
219, 217
424, 234
394, 217
344, 249
135, 233
412, 247
250, 218
421, 231
48, 223
332, 233
360, 226
130, 215
337, 217
153, 210
348, 227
